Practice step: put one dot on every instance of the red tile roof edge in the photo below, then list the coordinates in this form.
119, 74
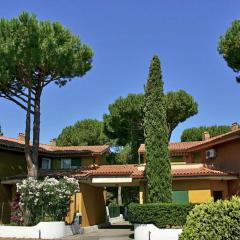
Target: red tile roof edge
15, 143
187, 146
179, 147
138, 171
133, 171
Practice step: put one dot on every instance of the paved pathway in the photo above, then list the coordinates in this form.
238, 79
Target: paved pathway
119, 231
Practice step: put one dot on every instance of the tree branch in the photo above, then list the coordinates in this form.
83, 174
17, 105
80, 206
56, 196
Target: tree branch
8, 97
20, 92
21, 98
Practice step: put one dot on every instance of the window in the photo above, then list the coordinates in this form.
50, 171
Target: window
76, 163
46, 163
66, 163
217, 195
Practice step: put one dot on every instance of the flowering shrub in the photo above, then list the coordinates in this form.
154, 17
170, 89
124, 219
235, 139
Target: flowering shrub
46, 200
16, 212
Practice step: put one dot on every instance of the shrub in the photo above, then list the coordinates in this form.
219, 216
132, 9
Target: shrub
46, 200
160, 214
16, 212
213, 221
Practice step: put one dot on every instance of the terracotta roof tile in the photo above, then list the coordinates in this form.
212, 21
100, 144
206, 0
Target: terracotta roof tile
138, 171
196, 170
131, 170
187, 146
214, 140
175, 147
114, 170
15, 143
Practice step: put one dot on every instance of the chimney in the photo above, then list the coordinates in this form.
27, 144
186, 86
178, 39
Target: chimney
234, 126
21, 137
53, 142
205, 136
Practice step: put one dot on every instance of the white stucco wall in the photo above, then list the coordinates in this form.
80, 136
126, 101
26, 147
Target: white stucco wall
44, 230
151, 232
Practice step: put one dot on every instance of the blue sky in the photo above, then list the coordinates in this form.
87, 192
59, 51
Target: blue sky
124, 36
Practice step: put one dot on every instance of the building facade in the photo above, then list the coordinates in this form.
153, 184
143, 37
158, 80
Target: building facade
200, 171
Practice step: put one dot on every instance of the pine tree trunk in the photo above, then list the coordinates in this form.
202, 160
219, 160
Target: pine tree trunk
36, 131
27, 137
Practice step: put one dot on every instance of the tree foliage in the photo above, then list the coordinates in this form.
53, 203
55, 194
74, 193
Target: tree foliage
124, 123
86, 133
1, 133
195, 134
34, 54
123, 155
158, 169
228, 47
179, 106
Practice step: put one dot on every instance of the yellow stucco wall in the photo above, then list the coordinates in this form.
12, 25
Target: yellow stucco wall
142, 192
201, 190
87, 161
92, 205
75, 206
11, 164
199, 196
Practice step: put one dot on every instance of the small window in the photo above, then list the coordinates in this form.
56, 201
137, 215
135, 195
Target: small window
46, 163
76, 163
217, 195
66, 163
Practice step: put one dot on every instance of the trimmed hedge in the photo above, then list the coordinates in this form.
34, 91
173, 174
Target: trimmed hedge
213, 221
163, 215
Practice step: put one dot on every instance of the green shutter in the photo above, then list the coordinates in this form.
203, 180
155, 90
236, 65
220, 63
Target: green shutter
76, 162
180, 197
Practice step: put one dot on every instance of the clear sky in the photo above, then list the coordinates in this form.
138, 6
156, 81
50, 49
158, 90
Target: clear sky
124, 36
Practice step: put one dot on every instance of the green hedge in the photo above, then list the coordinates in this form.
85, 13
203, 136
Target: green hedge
162, 215
214, 221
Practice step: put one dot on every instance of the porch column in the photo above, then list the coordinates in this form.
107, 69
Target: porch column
142, 193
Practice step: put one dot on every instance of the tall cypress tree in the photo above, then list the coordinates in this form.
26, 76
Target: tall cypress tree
158, 169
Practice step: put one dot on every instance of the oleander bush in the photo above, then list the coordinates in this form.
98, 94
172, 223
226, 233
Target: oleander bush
163, 215
214, 221
45, 200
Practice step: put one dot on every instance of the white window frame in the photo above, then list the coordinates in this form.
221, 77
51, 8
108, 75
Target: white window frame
48, 163
62, 163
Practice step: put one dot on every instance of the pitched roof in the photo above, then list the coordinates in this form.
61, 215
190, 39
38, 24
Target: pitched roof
181, 147
17, 144
196, 170
175, 147
136, 171
229, 136
131, 170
